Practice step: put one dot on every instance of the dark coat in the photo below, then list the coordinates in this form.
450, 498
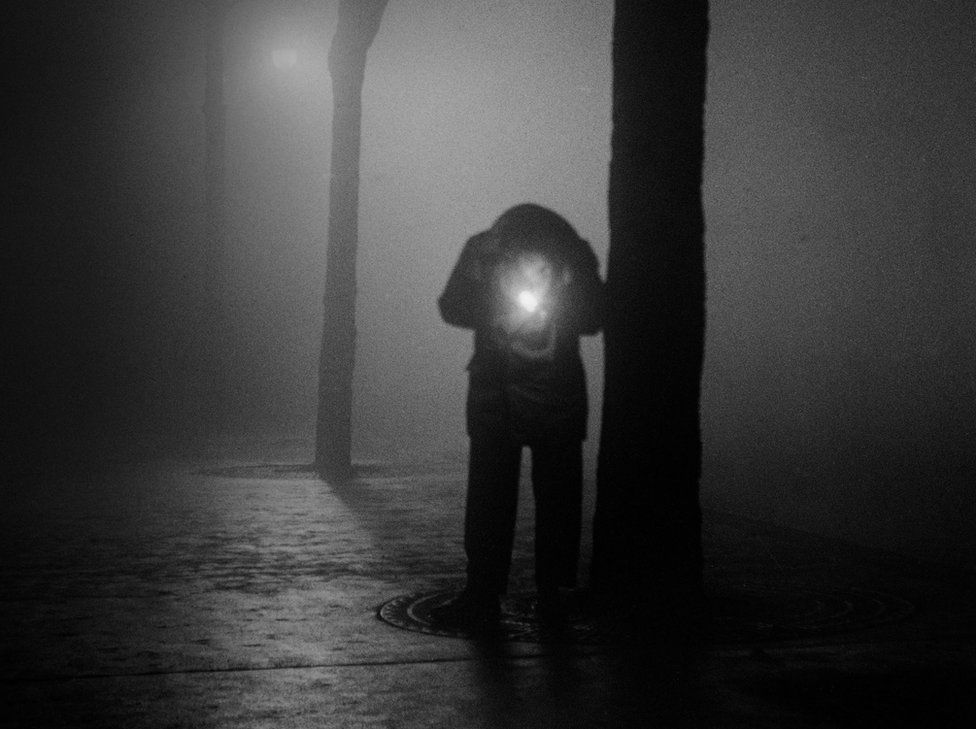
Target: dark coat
526, 378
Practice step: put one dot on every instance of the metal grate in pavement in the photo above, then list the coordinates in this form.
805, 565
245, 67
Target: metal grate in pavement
748, 614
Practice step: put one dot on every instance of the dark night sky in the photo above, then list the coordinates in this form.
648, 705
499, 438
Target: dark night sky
839, 388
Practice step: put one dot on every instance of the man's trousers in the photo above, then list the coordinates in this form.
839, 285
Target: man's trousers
492, 500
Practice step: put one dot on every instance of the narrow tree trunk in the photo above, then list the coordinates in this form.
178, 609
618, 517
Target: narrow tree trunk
358, 24
647, 529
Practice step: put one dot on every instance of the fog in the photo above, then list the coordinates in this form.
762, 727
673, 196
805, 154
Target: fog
839, 392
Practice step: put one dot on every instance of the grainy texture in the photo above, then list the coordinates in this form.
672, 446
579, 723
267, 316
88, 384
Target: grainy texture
238, 595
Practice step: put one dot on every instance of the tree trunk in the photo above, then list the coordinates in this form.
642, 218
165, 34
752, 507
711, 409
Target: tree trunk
358, 24
647, 528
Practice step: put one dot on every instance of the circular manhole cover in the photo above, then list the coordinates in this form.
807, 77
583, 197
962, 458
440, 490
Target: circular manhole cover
750, 614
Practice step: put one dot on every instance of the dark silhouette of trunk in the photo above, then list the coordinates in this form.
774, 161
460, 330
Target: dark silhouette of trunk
358, 23
647, 528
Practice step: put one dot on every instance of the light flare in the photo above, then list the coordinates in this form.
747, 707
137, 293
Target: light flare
528, 301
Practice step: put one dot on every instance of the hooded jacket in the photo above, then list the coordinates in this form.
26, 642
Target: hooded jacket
529, 288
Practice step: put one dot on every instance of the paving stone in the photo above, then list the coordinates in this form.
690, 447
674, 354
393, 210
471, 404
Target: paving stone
245, 595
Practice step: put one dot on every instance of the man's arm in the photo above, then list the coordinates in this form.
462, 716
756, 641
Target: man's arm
464, 302
583, 298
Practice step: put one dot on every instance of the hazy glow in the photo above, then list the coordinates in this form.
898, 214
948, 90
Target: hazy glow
838, 388
284, 58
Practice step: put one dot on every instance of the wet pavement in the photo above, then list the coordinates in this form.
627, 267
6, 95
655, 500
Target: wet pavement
242, 594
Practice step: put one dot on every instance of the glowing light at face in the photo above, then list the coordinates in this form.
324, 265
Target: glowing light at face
528, 300
284, 58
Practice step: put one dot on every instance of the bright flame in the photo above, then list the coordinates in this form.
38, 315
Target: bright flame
528, 301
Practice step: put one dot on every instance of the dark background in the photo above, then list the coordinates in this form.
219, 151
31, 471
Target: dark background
839, 392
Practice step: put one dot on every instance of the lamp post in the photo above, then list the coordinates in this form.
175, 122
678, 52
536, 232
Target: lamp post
358, 23
213, 331
215, 134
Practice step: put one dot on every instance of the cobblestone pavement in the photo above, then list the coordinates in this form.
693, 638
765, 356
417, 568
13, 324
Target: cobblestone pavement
184, 595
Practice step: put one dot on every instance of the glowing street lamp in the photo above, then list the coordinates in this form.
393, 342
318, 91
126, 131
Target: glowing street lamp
284, 58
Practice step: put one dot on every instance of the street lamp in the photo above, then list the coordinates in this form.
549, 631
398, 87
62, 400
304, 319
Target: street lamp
284, 58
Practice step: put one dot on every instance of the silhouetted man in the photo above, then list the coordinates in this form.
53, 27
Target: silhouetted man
528, 287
